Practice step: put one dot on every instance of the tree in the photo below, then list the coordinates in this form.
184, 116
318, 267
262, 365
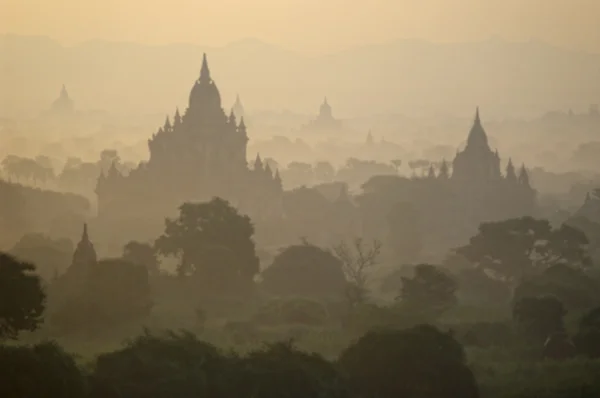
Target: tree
41, 370
572, 286
539, 317
417, 362
356, 262
305, 270
280, 369
177, 364
214, 242
51, 256
22, 299
517, 247
114, 291
324, 171
430, 291
397, 163
141, 254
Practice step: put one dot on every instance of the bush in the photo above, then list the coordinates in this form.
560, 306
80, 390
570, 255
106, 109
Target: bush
416, 362
281, 370
305, 270
174, 365
41, 371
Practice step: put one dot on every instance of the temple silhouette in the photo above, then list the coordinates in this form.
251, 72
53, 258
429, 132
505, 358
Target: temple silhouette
451, 199
63, 105
324, 122
198, 155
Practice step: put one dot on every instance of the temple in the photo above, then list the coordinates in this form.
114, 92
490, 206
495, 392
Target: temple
238, 108
451, 199
194, 156
63, 105
325, 122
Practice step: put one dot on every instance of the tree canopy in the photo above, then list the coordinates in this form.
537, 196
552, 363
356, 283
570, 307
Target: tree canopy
215, 244
305, 270
22, 299
513, 248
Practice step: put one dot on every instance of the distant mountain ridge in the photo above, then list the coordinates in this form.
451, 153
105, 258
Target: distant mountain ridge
407, 76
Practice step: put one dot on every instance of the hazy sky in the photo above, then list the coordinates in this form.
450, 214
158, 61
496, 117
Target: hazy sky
306, 25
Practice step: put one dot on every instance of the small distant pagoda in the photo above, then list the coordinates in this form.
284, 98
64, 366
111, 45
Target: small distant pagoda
324, 121
238, 109
63, 105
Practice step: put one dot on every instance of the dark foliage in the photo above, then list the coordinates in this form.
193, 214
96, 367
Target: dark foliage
515, 248
280, 370
22, 299
215, 244
572, 286
587, 339
305, 270
40, 371
416, 362
175, 365
430, 291
51, 256
537, 318
114, 292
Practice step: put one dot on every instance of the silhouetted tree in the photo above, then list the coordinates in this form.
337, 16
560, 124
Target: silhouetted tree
430, 291
572, 286
51, 256
177, 364
587, 339
41, 370
517, 247
281, 369
142, 254
357, 260
214, 242
305, 270
537, 318
114, 291
416, 362
22, 299
324, 171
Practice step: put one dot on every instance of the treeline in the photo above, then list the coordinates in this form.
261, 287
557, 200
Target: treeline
24, 209
419, 362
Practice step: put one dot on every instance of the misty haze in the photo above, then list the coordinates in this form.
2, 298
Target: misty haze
299, 199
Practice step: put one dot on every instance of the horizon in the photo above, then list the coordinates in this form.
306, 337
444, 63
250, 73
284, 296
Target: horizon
308, 25
250, 39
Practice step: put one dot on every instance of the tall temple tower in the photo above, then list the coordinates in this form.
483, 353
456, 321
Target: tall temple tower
63, 104
238, 108
477, 163
193, 157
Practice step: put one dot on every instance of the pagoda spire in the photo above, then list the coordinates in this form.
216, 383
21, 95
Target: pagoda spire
84, 235
523, 176
167, 126
444, 172
258, 164
176, 118
477, 136
204, 72
511, 176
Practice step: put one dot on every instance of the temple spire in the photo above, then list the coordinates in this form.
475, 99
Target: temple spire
84, 235
477, 136
511, 176
258, 164
204, 72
